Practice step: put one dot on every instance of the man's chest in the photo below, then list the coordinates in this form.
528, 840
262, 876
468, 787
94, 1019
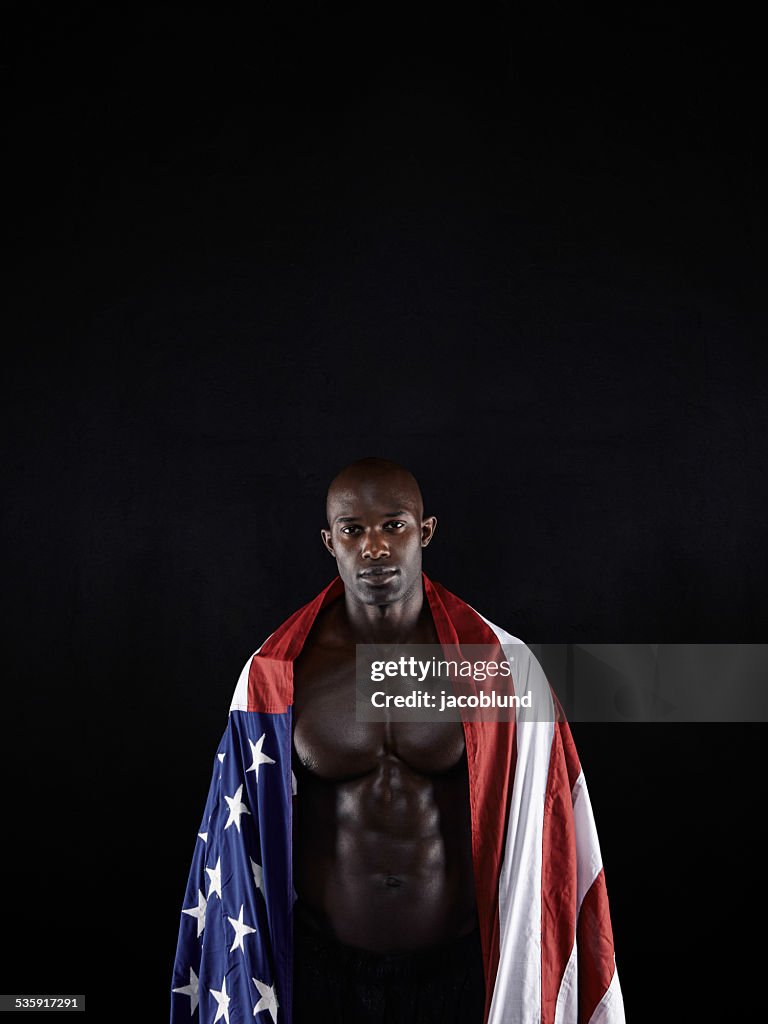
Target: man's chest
331, 740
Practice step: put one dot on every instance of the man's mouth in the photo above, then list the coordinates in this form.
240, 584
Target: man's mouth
378, 574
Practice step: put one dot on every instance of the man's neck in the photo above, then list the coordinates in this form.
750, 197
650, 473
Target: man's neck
401, 622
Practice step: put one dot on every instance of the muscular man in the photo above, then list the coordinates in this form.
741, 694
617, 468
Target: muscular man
382, 834
394, 871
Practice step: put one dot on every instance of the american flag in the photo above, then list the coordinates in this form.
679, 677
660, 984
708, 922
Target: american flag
540, 885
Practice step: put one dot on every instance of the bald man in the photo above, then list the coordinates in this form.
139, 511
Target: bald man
382, 835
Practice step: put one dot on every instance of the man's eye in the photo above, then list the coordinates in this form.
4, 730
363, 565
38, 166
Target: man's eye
349, 529
396, 523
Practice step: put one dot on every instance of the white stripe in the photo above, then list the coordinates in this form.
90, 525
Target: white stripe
517, 994
589, 863
610, 1009
567, 1008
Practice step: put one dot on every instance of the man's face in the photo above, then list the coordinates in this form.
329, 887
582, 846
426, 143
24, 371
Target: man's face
376, 533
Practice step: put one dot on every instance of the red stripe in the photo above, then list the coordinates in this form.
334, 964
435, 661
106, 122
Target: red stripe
558, 880
595, 943
572, 762
491, 756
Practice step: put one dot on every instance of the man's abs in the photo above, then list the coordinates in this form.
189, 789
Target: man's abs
382, 830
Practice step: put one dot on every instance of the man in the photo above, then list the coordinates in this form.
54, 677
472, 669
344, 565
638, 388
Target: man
382, 841
431, 870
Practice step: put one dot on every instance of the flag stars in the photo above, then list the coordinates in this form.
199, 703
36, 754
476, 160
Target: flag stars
215, 876
241, 930
236, 808
268, 1000
259, 758
192, 989
222, 998
198, 912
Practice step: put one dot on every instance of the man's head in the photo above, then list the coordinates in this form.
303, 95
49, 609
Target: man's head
376, 530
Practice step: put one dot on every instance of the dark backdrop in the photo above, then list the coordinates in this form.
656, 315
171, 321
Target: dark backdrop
516, 250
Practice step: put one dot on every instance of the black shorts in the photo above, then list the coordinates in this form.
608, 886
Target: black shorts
333, 982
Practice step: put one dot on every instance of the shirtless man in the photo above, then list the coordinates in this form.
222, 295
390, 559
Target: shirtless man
367, 893
385, 920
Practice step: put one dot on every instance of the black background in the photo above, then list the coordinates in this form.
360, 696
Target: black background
516, 249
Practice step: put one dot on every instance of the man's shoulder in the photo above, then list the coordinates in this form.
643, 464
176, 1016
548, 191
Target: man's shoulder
277, 651
503, 635
455, 605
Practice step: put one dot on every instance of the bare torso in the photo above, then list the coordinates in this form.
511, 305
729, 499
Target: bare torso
382, 834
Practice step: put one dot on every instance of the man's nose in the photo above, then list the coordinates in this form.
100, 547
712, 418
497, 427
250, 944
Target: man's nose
375, 547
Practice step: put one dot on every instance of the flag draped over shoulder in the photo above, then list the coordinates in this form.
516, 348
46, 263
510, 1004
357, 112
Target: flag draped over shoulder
540, 886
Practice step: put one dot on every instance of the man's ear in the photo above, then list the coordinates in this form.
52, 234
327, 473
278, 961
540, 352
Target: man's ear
326, 535
428, 527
